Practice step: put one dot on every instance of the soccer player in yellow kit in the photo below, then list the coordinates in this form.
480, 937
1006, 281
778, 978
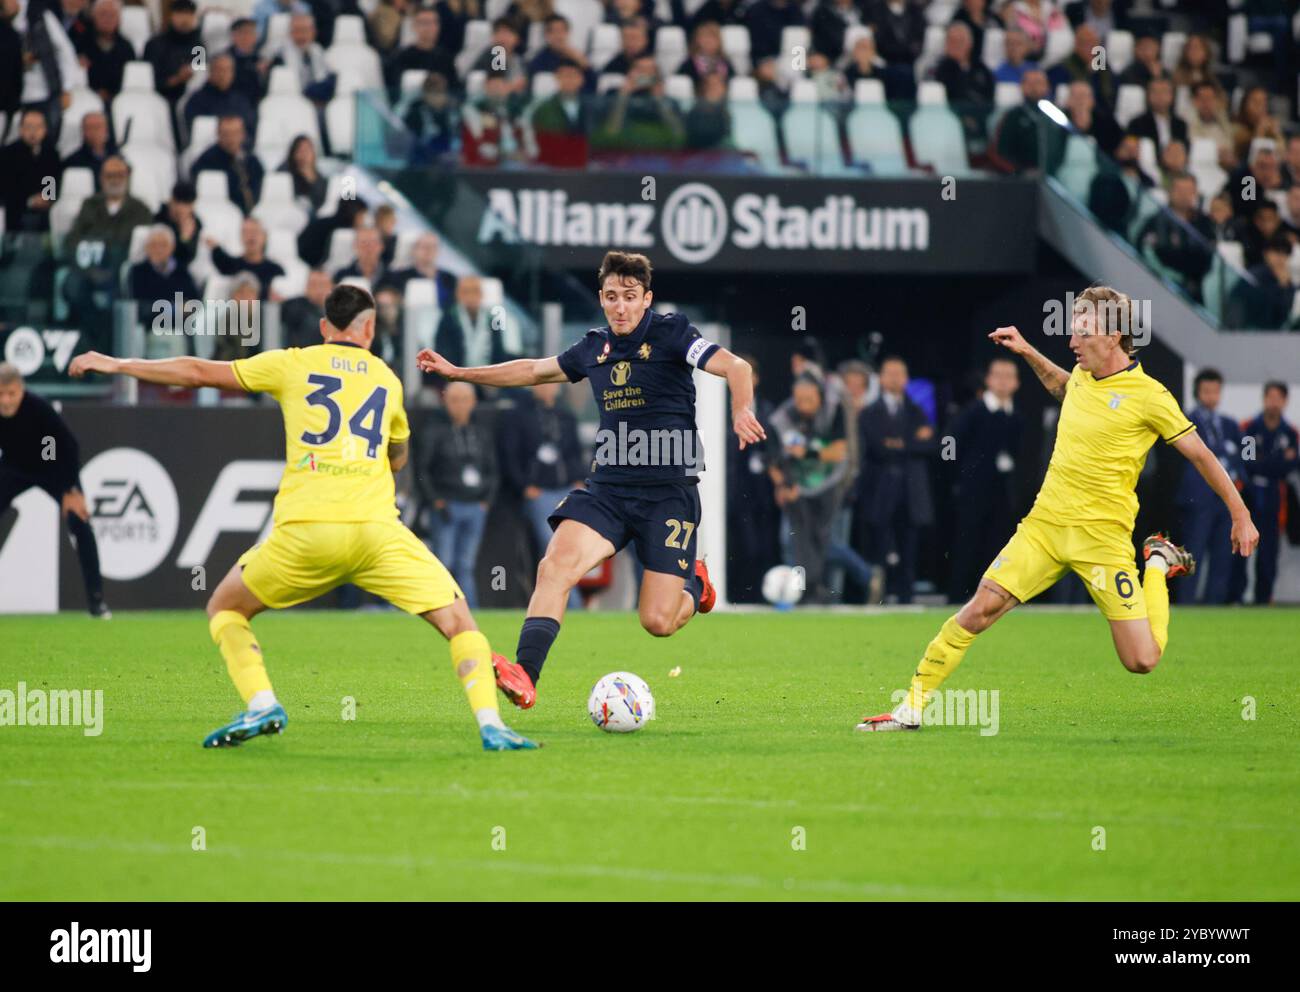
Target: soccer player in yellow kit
336, 519
1111, 414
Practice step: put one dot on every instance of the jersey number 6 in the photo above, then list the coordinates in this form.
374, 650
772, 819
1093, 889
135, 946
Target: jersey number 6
372, 409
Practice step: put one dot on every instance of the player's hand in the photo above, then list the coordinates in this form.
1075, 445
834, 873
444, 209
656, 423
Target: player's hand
747, 427
1245, 537
91, 361
74, 501
430, 361
1011, 339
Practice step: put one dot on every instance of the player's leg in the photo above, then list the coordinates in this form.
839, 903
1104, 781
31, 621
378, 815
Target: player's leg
664, 604
674, 586
1025, 567
76, 515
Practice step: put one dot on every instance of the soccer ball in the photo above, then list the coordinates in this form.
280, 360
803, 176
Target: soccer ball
783, 586
621, 703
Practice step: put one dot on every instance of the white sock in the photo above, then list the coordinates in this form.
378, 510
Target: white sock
262, 700
488, 717
904, 713
1157, 561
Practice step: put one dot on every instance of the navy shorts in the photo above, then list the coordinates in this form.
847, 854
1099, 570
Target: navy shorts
661, 521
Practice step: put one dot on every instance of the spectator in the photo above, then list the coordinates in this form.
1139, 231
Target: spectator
103, 52
424, 53
1275, 444
1208, 119
155, 282
51, 70
1221, 216
459, 481
243, 171
1253, 121
1291, 161
897, 442
708, 122
975, 15
1291, 223
899, 30
1265, 225
31, 169
706, 57
635, 38
1087, 64
753, 519
562, 123
620, 12
494, 128
542, 458
828, 82
264, 10
1173, 163
1266, 300
1114, 193
389, 336
1206, 524
504, 57
314, 241
1259, 179
250, 68
1182, 238
1087, 118
385, 25
303, 54
1037, 19
96, 145
1023, 129
386, 225
433, 120
1196, 64
640, 115
987, 435
1146, 64
830, 20
300, 316
455, 14
309, 185
560, 50
1100, 15
246, 294
526, 13
1017, 62
109, 216
467, 333
863, 63
368, 261
424, 265
966, 80
178, 214
809, 456
1159, 123
766, 19
73, 19
218, 97
11, 65
252, 238
718, 11
171, 53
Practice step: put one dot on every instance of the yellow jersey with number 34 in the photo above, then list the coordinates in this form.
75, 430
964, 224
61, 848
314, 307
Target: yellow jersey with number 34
341, 406
1107, 426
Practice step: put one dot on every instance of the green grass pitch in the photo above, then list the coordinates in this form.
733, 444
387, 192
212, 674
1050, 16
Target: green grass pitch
753, 741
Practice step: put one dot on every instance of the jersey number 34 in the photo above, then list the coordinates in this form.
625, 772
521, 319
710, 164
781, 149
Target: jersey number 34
366, 423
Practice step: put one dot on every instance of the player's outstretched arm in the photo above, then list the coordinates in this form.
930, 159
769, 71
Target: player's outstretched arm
520, 372
740, 381
1245, 536
189, 372
1051, 375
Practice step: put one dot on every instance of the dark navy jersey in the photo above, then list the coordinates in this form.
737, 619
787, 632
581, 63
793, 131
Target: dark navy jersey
645, 392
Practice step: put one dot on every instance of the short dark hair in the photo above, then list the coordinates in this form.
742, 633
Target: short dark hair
624, 265
1278, 243
1279, 385
893, 358
505, 22
556, 17
242, 22
1202, 85
344, 304
181, 6
184, 192
1000, 358
1206, 375
567, 63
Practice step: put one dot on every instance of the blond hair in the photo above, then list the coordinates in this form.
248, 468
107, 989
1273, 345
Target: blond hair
1113, 311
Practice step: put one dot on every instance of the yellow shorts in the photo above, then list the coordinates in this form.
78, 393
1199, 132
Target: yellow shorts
304, 559
1039, 553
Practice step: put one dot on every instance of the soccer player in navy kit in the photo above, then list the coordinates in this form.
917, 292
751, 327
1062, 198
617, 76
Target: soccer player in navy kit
642, 488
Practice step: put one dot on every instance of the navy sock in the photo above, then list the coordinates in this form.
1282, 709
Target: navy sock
695, 589
535, 640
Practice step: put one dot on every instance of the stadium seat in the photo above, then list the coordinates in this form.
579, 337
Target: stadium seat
1007, 95
277, 33
280, 118
609, 81
735, 45
1203, 163
356, 56
941, 11
544, 86
680, 89
203, 135
1171, 48
77, 184
341, 117
931, 51
752, 128
605, 44
583, 17
216, 30
875, 136
141, 116
478, 35
402, 254
1234, 253
277, 207
341, 251
670, 48
135, 249
492, 9
1060, 43
931, 94
153, 172
1079, 167
796, 43
220, 218
349, 29
412, 80
812, 136
853, 33
283, 81
281, 247
1061, 96
420, 293
82, 102
1149, 159
938, 140
1119, 50
474, 83
135, 28
1131, 102
994, 50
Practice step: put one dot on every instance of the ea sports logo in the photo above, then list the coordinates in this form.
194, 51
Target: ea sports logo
134, 510
694, 222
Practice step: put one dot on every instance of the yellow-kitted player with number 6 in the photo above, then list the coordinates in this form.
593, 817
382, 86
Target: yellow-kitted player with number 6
336, 519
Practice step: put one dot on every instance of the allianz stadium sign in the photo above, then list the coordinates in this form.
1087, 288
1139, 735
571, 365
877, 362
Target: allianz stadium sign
759, 223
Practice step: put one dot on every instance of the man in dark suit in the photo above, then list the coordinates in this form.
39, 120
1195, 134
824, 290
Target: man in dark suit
1160, 123
243, 171
987, 435
30, 167
1206, 523
897, 442
467, 334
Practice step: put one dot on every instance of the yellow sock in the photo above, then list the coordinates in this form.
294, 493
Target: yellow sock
232, 634
942, 656
1156, 589
472, 657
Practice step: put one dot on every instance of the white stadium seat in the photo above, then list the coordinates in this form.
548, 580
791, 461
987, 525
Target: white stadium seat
735, 45
1131, 102
938, 140
135, 28
1119, 50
